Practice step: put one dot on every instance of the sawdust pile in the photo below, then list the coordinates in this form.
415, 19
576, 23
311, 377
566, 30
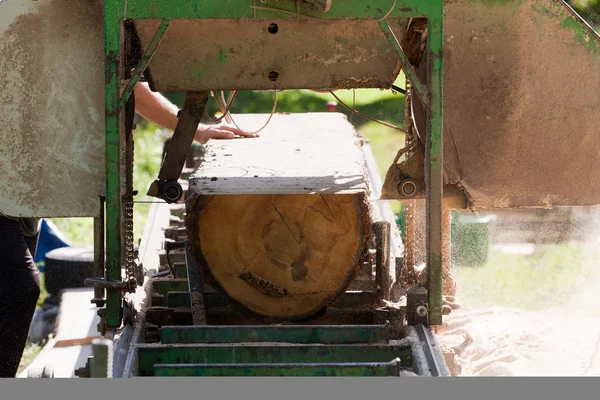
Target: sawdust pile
560, 340
512, 342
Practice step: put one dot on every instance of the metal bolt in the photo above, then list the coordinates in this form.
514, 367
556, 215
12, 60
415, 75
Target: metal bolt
422, 311
408, 188
273, 75
83, 372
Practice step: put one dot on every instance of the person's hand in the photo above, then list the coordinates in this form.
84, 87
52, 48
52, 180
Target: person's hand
219, 131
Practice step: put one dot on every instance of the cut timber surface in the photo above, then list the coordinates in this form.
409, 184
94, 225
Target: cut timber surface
280, 223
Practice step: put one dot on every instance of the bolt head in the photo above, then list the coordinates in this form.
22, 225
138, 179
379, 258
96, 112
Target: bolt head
421, 311
408, 188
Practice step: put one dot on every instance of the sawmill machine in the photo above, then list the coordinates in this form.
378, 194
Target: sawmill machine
502, 111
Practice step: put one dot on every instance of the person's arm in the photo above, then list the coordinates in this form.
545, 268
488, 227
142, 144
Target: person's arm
160, 111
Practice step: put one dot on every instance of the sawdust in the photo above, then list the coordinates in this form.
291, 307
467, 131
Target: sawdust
513, 342
511, 138
51, 108
562, 339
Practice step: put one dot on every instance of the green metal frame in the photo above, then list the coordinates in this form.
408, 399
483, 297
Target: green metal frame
300, 369
149, 356
327, 334
117, 11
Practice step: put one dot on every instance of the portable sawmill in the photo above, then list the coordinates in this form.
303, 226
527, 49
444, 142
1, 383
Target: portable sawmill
275, 259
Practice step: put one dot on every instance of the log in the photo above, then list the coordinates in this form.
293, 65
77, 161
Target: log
280, 224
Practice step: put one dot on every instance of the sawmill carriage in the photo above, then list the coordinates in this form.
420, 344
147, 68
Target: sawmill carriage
279, 258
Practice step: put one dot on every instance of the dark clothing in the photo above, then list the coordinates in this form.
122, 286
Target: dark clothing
19, 292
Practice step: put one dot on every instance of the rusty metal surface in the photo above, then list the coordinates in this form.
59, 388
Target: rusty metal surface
240, 54
522, 101
51, 108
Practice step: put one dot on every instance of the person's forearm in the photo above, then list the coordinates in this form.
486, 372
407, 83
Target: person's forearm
154, 107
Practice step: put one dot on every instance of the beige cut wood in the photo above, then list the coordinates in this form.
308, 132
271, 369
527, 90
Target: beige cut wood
280, 223
295, 154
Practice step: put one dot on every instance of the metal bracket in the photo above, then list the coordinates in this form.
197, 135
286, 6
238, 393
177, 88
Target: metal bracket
406, 180
417, 308
143, 64
408, 69
166, 186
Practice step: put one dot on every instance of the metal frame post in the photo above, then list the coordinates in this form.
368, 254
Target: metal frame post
431, 94
434, 160
113, 13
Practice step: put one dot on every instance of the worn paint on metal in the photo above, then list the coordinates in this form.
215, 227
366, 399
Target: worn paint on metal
434, 158
144, 11
236, 9
165, 285
113, 16
325, 334
139, 70
51, 107
569, 20
407, 68
150, 355
582, 35
301, 369
240, 54
500, 3
222, 57
492, 135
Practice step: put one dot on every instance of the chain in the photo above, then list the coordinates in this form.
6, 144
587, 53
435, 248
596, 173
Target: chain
130, 256
408, 121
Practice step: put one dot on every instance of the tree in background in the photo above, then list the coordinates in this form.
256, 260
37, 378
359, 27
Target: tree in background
589, 10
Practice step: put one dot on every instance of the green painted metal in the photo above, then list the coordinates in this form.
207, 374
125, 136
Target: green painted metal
102, 359
180, 270
237, 9
141, 67
116, 11
150, 355
113, 15
166, 285
324, 334
406, 67
182, 299
163, 286
328, 369
434, 161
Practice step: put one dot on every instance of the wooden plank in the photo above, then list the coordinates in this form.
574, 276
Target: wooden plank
295, 154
